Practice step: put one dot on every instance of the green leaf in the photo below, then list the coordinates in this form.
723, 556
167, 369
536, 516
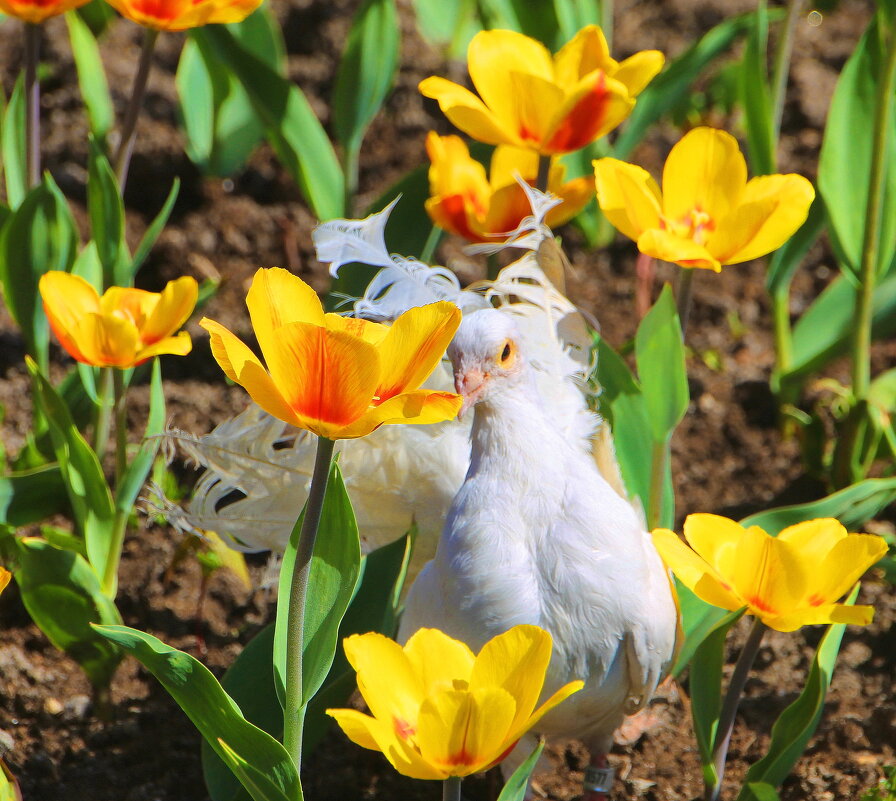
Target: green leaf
758, 791
756, 97
851, 506
38, 237
135, 474
786, 259
63, 596
260, 787
97, 14
671, 86
844, 167
221, 123
333, 575
82, 473
536, 20
659, 353
366, 71
155, 228
33, 495
797, 723
698, 619
573, 15
212, 711
705, 684
91, 76
518, 783
294, 132
13, 146
107, 220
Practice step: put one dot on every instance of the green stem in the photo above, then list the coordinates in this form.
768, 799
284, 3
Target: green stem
121, 424
606, 21
103, 413
432, 242
293, 711
861, 354
32, 105
730, 704
683, 297
113, 555
659, 456
350, 174
544, 173
781, 68
783, 335
451, 789
129, 125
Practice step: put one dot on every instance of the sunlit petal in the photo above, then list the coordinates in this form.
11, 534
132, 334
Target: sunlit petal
106, 340
438, 659
845, 565
818, 615
714, 537
558, 697
179, 345
666, 246
586, 52
628, 196
593, 108
173, 307
639, 70
814, 538
468, 112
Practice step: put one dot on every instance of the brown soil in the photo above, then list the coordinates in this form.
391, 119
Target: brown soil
729, 456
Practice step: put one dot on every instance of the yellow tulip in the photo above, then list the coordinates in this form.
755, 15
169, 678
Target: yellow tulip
467, 203
550, 104
708, 214
36, 11
5, 576
338, 377
438, 710
124, 327
787, 581
178, 15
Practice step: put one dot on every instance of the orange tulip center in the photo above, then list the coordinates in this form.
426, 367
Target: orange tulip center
761, 604
695, 225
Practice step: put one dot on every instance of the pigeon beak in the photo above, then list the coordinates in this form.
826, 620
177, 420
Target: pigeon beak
469, 386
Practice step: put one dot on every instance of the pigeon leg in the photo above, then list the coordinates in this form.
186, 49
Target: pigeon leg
598, 779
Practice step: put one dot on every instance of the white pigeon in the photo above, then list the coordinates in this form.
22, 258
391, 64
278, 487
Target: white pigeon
536, 535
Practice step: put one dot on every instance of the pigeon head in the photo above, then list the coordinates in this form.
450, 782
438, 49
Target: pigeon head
486, 357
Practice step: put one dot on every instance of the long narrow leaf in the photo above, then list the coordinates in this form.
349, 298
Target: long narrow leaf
13, 144
756, 96
91, 76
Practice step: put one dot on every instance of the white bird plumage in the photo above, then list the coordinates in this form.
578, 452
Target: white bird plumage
536, 535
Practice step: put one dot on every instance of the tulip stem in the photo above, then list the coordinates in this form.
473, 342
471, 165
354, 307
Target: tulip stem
129, 125
32, 105
544, 172
451, 789
861, 366
294, 706
103, 413
121, 424
730, 704
683, 296
781, 67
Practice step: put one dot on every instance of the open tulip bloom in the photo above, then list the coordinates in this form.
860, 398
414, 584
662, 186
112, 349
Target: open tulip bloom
36, 11
438, 710
707, 214
484, 208
550, 104
338, 377
787, 581
178, 15
125, 326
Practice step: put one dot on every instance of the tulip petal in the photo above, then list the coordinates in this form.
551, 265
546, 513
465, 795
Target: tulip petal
453, 213
845, 564
175, 304
705, 171
558, 697
509, 161
468, 112
820, 615
454, 172
277, 298
596, 106
639, 70
106, 340
462, 732
628, 196
386, 678
5, 576
66, 299
667, 246
242, 366
715, 538
137, 304
814, 539
438, 659
576, 194
414, 345
363, 730
327, 377
509, 206
500, 63
517, 662
771, 209
370, 332
179, 345
586, 52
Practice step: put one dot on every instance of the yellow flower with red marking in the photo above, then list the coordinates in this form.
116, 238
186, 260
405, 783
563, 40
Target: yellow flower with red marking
122, 328
438, 710
551, 104
787, 581
708, 213
339, 377
479, 208
178, 15
36, 11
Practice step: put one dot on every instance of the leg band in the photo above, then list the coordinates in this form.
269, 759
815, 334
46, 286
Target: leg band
599, 780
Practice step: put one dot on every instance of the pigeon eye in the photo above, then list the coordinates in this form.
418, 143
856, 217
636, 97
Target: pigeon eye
506, 353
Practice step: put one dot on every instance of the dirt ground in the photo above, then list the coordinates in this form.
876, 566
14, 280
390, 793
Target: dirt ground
729, 456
